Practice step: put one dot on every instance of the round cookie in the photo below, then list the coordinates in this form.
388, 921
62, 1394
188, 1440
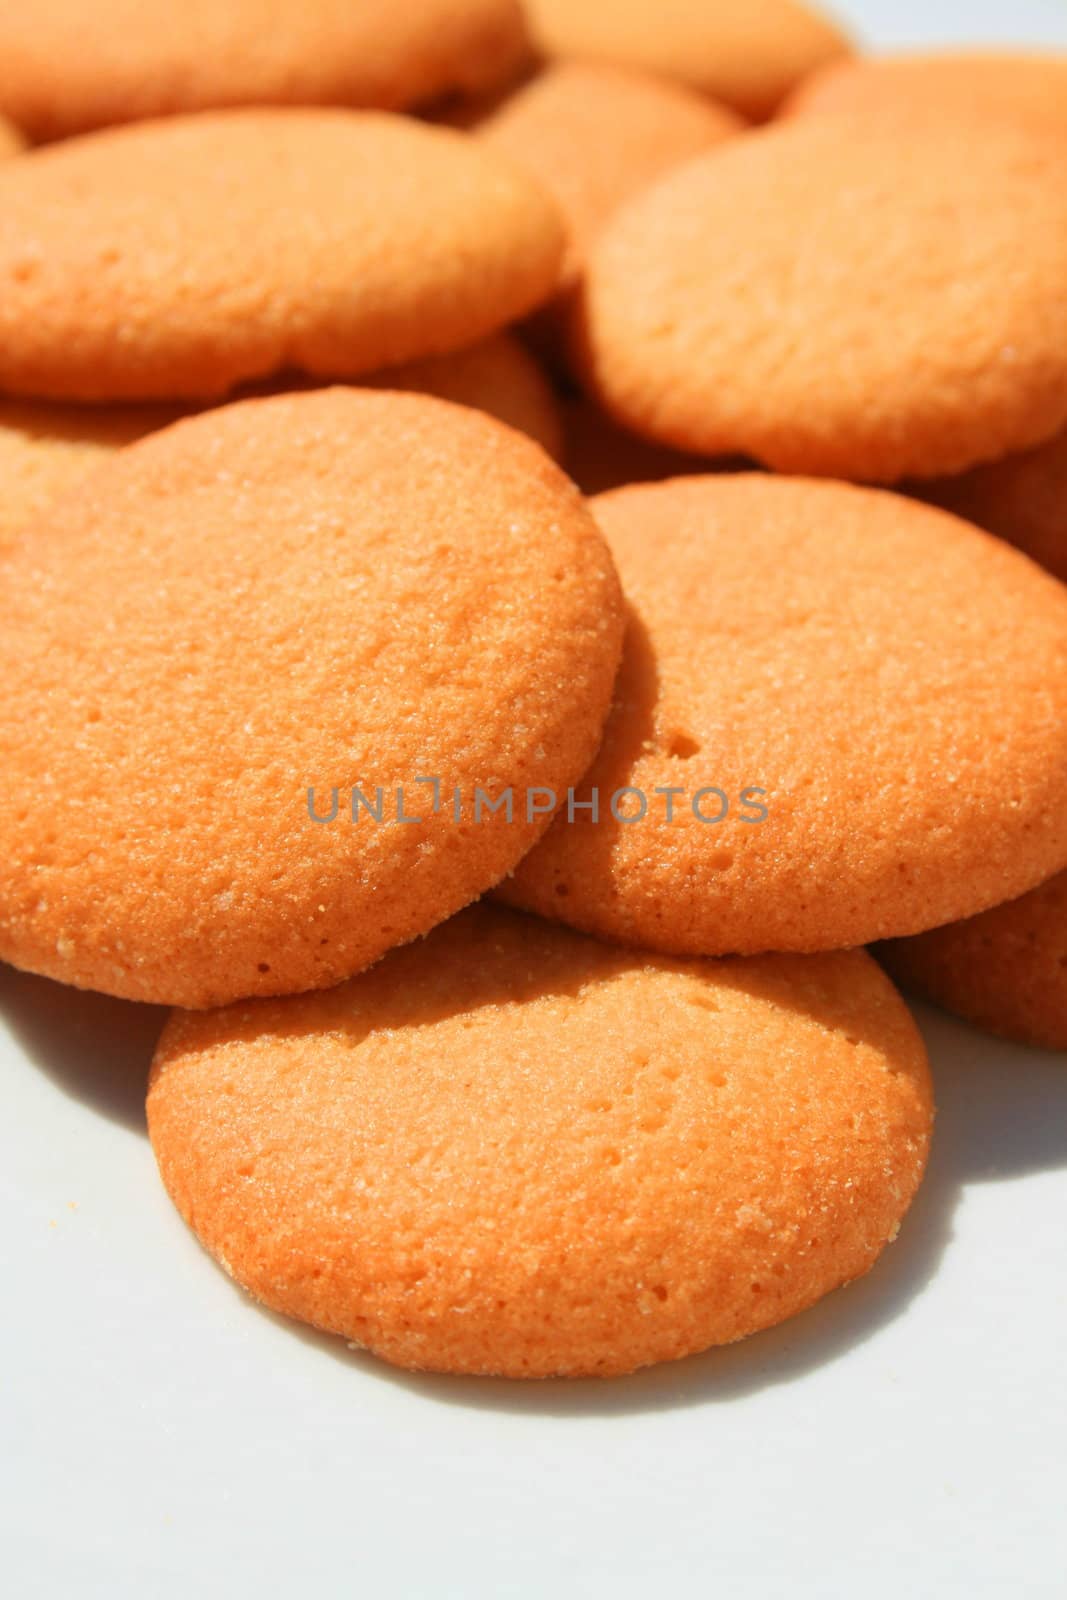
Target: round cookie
245, 641
1005, 971
178, 259
871, 303
498, 375
594, 135
11, 141
69, 69
745, 54
511, 1150
1022, 499
1028, 88
45, 449
859, 703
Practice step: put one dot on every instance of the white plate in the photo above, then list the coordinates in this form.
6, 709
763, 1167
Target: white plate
162, 1438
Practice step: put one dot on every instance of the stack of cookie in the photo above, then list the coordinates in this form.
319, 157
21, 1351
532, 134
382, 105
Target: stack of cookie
313, 341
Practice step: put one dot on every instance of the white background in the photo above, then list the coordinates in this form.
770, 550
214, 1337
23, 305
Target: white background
163, 1438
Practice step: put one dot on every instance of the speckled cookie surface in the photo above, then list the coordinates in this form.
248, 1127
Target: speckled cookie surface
45, 449
1006, 970
342, 590
181, 258
1027, 87
70, 67
891, 679
868, 303
594, 135
512, 1150
498, 375
748, 54
1022, 499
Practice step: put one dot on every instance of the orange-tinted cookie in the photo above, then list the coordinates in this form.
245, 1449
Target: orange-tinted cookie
592, 136
883, 685
11, 141
869, 302
1029, 88
745, 53
1006, 970
178, 259
499, 376
1022, 499
244, 644
45, 449
512, 1150
69, 68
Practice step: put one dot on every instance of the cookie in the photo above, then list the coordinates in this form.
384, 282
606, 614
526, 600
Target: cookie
749, 56
872, 303
69, 69
600, 455
1028, 88
11, 141
499, 376
841, 716
1005, 971
179, 259
45, 449
1022, 499
594, 135
233, 668
512, 1150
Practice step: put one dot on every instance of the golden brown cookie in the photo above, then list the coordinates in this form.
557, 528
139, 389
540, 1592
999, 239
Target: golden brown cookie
11, 141
745, 53
1028, 88
594, 135
841, 716
1022, 499
69, 67
512, 1150
45, 449
873, 302
178, 259
1006, 970
233, 668
498, 375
